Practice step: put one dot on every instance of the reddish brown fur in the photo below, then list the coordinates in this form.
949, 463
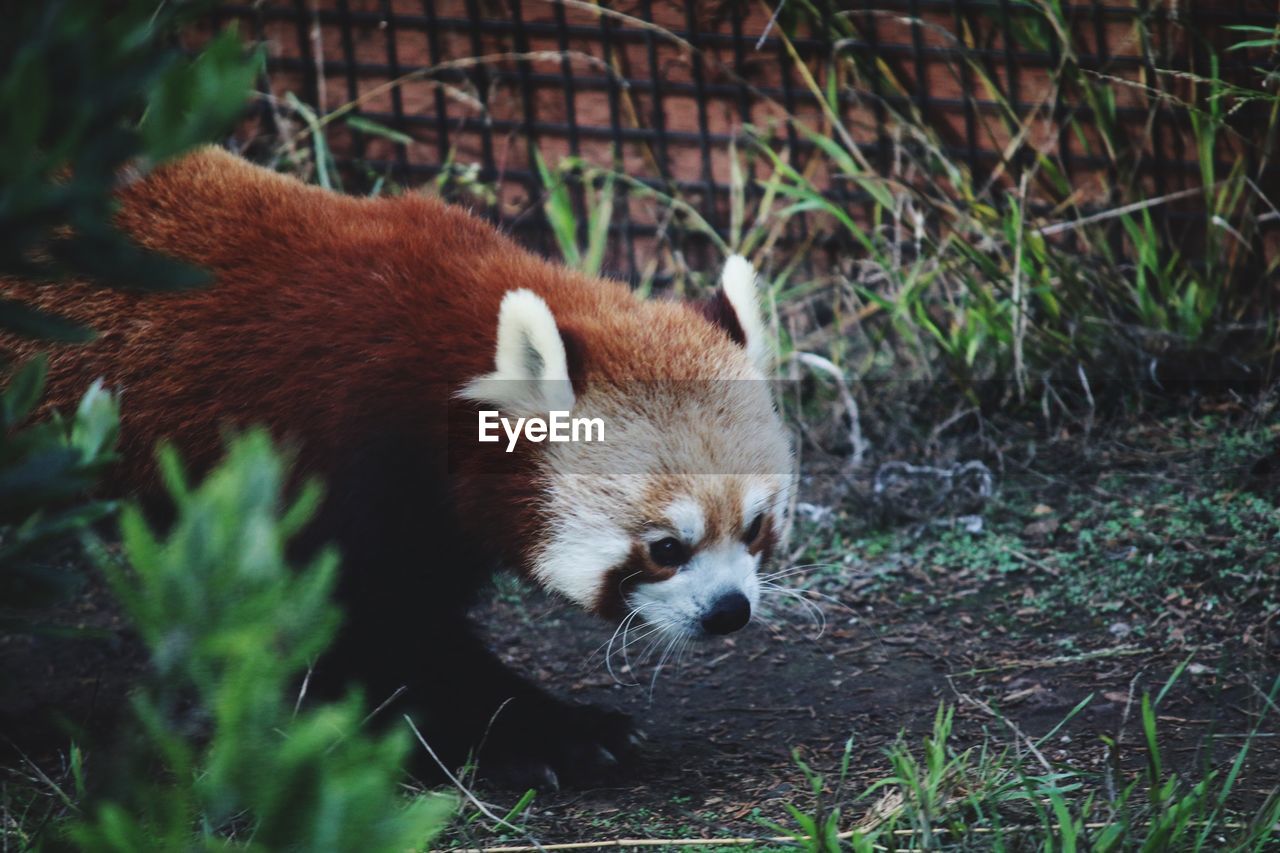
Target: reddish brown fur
638, 568
331, 317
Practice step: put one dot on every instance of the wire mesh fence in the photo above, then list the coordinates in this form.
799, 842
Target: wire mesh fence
690, 104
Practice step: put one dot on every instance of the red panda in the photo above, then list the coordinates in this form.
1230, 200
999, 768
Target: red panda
370, 333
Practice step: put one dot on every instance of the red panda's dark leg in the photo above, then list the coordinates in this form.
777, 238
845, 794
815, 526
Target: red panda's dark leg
407, 581
468, 704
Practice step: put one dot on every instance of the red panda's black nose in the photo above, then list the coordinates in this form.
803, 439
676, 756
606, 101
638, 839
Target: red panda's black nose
728, 614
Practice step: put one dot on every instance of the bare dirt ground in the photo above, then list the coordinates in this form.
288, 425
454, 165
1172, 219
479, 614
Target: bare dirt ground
1014, 626
724, 723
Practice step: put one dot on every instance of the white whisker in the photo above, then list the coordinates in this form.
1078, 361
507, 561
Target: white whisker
672, 641
624, 627
626, 633
810, 592
796, 570
814, 612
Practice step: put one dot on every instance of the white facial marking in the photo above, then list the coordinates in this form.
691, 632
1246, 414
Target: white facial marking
580, 542
677, 605
687, 519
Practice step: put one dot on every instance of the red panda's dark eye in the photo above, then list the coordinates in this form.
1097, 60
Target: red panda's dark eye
754, 530
669, 552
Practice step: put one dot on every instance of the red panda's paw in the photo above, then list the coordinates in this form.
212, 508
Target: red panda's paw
557, 745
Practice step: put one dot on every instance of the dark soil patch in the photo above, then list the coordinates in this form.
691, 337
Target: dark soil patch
68, 680
723, 725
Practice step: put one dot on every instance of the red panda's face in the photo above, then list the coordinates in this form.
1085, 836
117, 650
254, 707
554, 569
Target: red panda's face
669, 519
672, 517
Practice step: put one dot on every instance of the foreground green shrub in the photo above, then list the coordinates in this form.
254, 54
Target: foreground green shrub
45, 467
88, 88
223, 756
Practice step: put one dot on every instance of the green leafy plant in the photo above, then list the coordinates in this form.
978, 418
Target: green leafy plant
565, 223
221, 755
88, 89
232, 628
1024, 273
817, 829
45, 468
990, 797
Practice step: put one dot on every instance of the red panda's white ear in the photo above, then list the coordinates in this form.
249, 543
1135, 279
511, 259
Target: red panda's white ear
736, 307
531, 374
